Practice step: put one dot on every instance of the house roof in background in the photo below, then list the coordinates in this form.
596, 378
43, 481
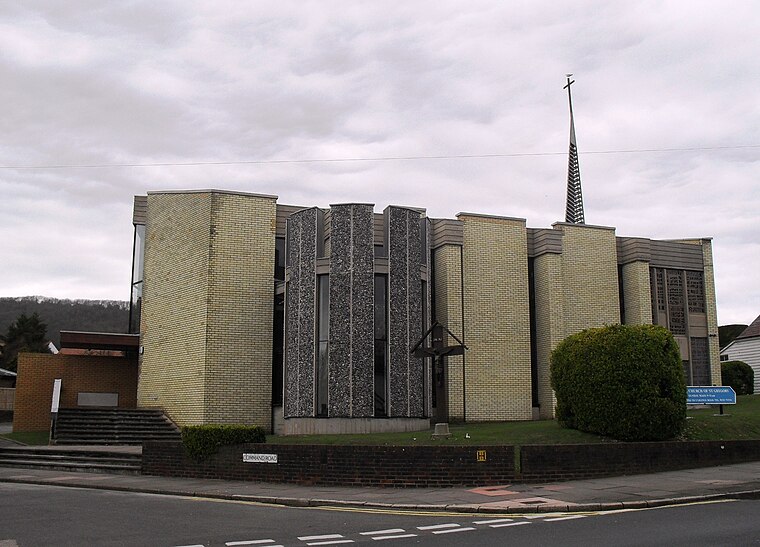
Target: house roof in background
752, 330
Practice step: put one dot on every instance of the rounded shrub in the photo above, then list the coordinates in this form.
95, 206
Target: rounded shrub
202, 441
739, 375
622, 381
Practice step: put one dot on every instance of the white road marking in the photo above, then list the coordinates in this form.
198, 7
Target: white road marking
437, 526
510, 524
399, 536
565, 518
333, 542
326, 539
251, 542
451, 530
492, 521
389, 531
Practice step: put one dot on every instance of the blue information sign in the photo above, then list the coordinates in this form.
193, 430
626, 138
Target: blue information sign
710, 395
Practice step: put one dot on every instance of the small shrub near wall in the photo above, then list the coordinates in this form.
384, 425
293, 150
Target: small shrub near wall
201, 441
623, 381
739, 375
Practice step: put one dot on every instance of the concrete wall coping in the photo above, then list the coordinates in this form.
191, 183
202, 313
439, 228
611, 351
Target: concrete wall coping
496, 217
213, 191
574, 225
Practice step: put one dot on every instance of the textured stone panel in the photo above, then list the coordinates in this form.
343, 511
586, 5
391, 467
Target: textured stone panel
351, 311
300, 313
405, 312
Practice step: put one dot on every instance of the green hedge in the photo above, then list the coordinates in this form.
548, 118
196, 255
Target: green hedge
622, 381
739, 375
201, 441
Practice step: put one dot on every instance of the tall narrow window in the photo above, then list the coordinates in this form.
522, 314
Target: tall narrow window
278, 340
279, 258
138, 257
381, 345
323, 334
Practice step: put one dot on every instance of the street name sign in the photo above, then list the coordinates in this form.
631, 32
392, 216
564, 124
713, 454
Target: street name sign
259, 458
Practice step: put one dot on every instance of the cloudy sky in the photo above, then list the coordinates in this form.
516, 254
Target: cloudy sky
104, 100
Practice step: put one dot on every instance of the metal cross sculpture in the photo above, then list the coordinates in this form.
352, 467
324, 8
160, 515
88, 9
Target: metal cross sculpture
437, 350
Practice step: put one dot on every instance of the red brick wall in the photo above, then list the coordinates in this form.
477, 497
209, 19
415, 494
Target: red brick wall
88, 373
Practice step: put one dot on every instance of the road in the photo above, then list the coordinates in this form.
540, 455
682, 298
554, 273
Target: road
32, 515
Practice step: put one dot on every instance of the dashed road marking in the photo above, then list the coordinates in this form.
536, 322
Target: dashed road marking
389, 531
452, 530
491, 521
437, 526
250, 542
510, 524
571, 517
325, 539
332, 542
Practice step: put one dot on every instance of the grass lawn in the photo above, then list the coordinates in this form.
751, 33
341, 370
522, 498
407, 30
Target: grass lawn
32, 438
743, 422
531, 432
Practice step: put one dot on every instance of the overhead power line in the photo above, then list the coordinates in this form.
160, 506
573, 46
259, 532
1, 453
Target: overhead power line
378, 158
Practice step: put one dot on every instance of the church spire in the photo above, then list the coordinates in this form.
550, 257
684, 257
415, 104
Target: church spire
574, 206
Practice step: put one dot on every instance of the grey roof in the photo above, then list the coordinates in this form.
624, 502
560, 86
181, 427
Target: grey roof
752, 330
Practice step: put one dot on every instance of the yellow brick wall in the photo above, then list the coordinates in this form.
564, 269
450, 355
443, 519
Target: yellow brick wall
448, 310
711, 309
589, 266
207, 307
239, 351
497, 319
637, 293
174, 309
550, 324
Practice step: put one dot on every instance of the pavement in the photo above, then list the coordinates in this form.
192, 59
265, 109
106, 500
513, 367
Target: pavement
600, 494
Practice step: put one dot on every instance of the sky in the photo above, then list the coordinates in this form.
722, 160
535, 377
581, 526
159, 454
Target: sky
448, 105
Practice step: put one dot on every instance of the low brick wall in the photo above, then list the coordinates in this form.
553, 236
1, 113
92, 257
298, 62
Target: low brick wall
394, 466
442, 466
580, 461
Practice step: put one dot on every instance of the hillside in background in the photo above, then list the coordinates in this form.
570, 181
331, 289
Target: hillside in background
727, 333
58, 315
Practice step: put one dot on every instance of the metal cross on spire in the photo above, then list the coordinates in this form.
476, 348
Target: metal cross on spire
574, 206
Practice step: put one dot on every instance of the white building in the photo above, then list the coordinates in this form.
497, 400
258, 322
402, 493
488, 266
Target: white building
746, 347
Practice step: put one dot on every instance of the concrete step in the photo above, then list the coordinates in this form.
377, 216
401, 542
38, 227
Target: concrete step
67, 427
111, 440
112, 426
73, 460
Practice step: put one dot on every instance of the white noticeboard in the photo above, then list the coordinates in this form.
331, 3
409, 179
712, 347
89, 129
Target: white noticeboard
56, 395
259, 458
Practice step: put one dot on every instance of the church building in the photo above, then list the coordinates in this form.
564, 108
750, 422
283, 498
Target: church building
306, 320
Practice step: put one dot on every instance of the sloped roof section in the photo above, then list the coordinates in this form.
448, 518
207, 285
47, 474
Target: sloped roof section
752, 330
